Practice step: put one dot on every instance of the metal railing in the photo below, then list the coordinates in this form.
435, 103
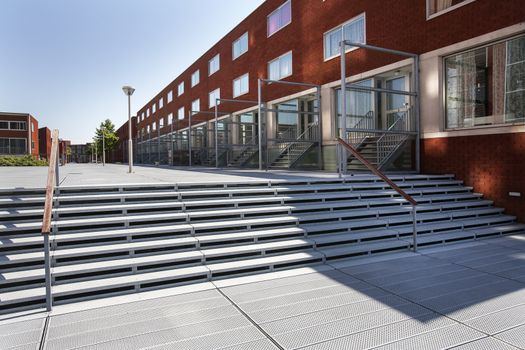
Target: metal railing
52, 181
380, 174
389, 142
301, 144
367, 122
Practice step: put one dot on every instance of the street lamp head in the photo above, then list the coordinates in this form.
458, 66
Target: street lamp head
128, 90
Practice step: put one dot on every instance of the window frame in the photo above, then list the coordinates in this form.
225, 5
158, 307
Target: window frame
238, 41
247, 75
194, 111
341, 27
218, 57
169, 97
209, 95
170, 118
278, 59
181, 109
198, 74
180, 88
273, 12
442, 12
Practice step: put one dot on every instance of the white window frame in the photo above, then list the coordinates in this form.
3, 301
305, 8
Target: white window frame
239, 79
195, 81
442, 12
154, 126
170, 118
170, 96
216, 95
180, 113
161, 123
161, 102
180, 88
153, 108
238, 41
283, 25
147, 113
198, 103
218, 57
340, 27
277, 59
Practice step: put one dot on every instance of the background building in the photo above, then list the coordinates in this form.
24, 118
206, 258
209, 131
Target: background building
120, 153
44, 142
80, 153
18, 134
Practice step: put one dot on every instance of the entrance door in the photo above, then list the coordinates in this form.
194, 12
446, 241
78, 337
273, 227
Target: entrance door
396, 105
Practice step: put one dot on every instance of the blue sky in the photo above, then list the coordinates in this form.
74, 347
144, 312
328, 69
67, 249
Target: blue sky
65, 61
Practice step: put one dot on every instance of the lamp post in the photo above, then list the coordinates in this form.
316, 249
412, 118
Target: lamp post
128, 90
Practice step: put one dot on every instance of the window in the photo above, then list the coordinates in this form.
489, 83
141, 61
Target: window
161, 123
214, 64
281, 67
4, 125
153, 108
154, 126
213, 96
180, 89
196, 106
195, 78
147, 113
170, 118
18, 126
32, 127
241, 85
353, 30
240, 45
148, 129
437, 7
181, 113
161, 103
486, 86
170, 96
280, 18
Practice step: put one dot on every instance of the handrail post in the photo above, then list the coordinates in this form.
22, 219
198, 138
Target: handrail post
414, 228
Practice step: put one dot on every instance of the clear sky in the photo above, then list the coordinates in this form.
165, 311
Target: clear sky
65, 61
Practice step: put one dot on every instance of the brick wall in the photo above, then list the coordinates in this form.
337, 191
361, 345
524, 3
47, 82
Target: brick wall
493, 164
44, 142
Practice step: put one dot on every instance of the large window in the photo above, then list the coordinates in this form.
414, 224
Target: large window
18, 125
195, 78
4, 125
436, 7
196, 106
170, 118
353, 30
170, 96
154, 108
12, 146
240, 45
180, 89
241, 85
281, 67
180, 113
147, 113
161, 103
280, 18
213, 96
214, 64
486, 86
161, 123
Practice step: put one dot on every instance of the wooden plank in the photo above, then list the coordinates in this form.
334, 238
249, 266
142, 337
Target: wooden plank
50, 186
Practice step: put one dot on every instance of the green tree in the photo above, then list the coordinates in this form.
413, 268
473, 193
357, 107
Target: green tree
106, 129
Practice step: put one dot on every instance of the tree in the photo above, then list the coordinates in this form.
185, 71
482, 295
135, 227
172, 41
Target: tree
106, 129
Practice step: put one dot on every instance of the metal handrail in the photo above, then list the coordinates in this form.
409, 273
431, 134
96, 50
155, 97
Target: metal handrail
386, 179
285, 147
52, 180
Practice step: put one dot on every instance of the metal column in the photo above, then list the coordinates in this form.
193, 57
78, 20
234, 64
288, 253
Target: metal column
259, 120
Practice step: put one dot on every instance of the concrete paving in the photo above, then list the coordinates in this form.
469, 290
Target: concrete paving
88, 174
465, 296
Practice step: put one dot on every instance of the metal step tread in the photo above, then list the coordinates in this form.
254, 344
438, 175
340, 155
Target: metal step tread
363, 248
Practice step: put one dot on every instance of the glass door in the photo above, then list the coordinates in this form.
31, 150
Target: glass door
396, 105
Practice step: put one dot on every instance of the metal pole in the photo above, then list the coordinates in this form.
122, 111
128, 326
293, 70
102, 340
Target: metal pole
319, 129
189, 138
47, 267
96, 152
259, 118
103, 147
158, 144
57, 175
417, 111
343, 104
216, 134
171, 144
130, 141
414, 228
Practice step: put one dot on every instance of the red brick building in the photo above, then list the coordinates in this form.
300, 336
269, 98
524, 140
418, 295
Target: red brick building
120, 153
44, 142
462, 112
18, 134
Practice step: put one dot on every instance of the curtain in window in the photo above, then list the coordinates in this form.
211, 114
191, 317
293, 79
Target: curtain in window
498, 81
515, 80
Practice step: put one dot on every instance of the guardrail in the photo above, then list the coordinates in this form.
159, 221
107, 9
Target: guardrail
385, 178
52, 181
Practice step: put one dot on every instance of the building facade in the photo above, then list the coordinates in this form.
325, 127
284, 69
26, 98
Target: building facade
44, 142
80, 153
456, 106
18, 134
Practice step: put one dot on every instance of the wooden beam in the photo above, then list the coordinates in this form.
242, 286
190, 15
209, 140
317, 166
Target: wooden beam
50, 186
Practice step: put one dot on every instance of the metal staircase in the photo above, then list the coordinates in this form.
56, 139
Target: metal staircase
116, 239
290, 152
239, 157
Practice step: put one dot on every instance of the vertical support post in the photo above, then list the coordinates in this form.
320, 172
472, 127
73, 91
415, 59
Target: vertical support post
130, 141
216, 111
171, 144
319, 129
189, 138
417, 113
259, 121
414, 228
158, 143
342, 127
47, 267
57, 166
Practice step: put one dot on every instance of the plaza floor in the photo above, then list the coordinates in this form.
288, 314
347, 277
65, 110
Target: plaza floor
466, 296
92, 174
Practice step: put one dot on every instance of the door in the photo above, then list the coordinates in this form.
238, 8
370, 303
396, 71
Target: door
396, 105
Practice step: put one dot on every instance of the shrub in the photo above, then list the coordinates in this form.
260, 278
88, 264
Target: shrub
21, 161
